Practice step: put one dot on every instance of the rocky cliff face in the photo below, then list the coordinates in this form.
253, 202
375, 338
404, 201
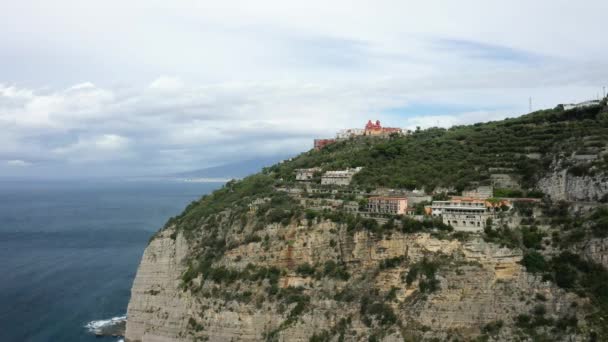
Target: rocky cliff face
596, 250
473, 284
561, 186
158, 309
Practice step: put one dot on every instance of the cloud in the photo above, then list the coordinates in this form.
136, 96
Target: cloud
17, 163
103, 147
159, 88
138, 131
487, 51
165, 83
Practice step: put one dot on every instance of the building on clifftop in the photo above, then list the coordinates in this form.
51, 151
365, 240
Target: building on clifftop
305, 175
370, 129
469, 215
387, 205
376, 129
341, 177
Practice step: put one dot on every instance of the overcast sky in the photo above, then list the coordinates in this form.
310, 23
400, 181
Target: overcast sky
96, 88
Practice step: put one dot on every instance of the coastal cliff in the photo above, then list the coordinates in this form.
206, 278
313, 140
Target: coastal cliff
157, 310
478, 284
283, 256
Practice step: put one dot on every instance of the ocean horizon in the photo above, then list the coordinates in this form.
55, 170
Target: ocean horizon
70, 251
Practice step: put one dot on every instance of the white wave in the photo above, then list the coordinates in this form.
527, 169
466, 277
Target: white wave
96, 327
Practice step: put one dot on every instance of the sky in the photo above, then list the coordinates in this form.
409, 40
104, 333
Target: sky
127, 88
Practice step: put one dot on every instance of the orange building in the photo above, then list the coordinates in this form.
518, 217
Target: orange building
387, 205
377, 129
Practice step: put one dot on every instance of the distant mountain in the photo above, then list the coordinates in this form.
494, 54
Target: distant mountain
233, 170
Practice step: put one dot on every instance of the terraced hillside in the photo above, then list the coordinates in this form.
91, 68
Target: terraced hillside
271, 258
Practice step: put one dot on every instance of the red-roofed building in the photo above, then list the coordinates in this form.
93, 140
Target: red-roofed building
377, 129
321, 143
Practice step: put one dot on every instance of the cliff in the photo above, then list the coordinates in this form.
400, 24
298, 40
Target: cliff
158, 309
271, 258
478, 284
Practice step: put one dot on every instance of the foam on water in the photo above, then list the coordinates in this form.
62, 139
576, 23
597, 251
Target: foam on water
101, 326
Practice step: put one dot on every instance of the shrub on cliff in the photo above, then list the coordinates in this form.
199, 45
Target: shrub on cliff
425, 271
534, 262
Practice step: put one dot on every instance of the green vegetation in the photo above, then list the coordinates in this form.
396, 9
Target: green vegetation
225, 275
454, 159
376, 310
599, 222
516, 193
330, 269
295, 298
234, 194
462, 155
391, 262
339, 329
502, 236
424, 271
534, 262
535, 323
571, 272
532, 237
492, 328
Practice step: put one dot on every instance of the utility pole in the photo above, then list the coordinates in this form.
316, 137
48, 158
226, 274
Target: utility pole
530, 104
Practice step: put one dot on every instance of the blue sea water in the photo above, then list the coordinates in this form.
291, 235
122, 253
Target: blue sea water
69, 251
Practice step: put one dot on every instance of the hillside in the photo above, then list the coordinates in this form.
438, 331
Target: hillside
276, 258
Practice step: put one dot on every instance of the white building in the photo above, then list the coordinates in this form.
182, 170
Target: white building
468, 216
304, 175
341, 177
349, 133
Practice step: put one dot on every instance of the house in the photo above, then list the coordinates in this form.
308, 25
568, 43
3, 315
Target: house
305, 175
468, 215
341, 177
410, 211
387, 205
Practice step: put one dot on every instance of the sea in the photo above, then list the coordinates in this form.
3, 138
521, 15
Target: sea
69, 251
